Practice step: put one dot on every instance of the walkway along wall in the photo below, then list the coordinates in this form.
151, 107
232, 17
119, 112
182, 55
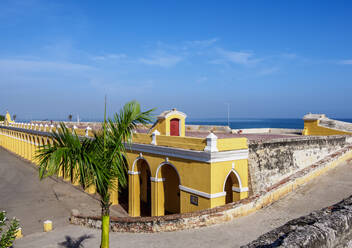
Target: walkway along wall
328, 227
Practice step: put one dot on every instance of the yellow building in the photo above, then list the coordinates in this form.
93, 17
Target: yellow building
8, 119
172, 173
168, 171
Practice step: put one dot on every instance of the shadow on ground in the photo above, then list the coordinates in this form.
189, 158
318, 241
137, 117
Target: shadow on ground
75, 243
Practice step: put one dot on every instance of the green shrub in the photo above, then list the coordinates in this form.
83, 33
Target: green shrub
8, 230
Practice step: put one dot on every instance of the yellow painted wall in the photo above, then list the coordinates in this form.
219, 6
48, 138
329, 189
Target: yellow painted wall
222, 169
200, 176
186, 206
232, 144
189, 143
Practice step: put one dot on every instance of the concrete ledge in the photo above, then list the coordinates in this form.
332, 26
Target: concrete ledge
328, 227
223, 213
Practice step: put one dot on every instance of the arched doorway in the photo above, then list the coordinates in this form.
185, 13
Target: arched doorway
231, 183
145, 187
175, 127
171, 189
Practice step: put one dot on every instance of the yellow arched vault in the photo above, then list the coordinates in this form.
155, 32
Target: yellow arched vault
185, 181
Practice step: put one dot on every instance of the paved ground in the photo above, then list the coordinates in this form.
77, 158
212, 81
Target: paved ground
322, 192
32, 201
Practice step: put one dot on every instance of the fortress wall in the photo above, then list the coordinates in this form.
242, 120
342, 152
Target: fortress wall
328, 227
272, 161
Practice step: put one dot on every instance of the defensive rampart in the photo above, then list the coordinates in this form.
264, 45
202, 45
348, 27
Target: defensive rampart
319, 124
328, 227
273, 160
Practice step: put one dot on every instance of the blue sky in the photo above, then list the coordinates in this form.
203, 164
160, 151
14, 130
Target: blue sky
264, 58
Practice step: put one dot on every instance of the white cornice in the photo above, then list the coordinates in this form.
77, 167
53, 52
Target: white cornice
133, 172
201, 156
200, 193
154, 179
239, 190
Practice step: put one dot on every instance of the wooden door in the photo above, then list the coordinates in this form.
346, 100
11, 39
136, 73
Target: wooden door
175, 127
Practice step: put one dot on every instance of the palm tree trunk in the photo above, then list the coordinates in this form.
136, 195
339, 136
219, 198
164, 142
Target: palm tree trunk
105, 226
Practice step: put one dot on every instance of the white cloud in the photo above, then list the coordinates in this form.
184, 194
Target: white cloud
110, 56
41, 66
202, 43
346, 62
237, 57
162, 60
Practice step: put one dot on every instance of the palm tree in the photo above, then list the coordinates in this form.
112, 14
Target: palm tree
97, 161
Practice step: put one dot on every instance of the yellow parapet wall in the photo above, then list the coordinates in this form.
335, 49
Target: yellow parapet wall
189, 143
229, 144
320, 125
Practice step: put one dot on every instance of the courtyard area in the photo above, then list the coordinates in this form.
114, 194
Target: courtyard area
32, 201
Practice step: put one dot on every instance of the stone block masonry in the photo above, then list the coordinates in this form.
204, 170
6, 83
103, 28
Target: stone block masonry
329, 227
273, 160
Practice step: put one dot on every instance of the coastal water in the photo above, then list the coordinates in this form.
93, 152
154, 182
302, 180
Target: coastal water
254, 123
241, 123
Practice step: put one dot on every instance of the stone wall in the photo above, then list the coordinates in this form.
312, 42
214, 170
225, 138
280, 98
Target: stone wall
329, 227
268, 130
334, 124
272, 161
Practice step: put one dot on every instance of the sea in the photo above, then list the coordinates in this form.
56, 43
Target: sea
242, 123
245, 123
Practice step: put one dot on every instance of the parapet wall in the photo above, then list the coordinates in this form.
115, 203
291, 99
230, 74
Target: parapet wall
272, 161
329, 227
268, 130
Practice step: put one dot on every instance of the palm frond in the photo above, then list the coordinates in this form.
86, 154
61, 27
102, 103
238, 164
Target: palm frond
94, 161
